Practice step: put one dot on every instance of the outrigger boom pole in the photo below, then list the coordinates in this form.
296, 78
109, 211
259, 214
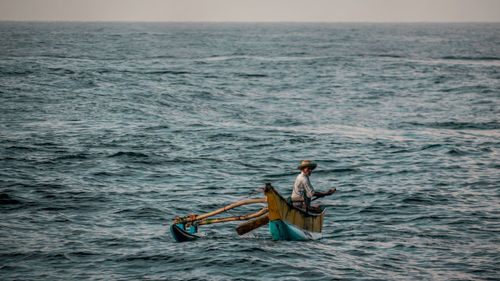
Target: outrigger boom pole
193, 218
235, 218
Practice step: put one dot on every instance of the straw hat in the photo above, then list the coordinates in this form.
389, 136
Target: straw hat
307, 163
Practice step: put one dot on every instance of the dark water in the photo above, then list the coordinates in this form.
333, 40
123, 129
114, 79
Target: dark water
110, 130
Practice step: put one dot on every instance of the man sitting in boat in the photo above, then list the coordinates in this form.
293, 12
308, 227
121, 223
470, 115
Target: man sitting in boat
302, 189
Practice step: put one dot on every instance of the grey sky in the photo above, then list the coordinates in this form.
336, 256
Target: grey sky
252, 10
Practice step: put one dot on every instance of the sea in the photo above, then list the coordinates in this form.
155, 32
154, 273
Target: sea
110, 130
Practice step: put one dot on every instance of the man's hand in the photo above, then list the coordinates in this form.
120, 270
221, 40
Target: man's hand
331, 191
321, 194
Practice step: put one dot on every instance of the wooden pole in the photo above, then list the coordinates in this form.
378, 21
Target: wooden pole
193, 218
235, 218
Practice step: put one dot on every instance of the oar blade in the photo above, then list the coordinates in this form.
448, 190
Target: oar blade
252, 224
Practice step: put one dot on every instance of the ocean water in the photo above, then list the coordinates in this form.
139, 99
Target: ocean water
110, 130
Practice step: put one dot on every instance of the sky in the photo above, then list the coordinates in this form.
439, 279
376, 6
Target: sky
252, 10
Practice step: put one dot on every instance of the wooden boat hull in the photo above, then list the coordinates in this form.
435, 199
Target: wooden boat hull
290, 223
181, 235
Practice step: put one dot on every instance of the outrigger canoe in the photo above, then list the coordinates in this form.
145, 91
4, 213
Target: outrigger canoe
286, 222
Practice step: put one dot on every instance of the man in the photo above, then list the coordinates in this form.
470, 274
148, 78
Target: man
302, 189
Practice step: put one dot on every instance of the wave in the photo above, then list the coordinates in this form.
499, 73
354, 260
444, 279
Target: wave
103, 174
157, 127
47, 144
72, 156
251, 75
454, 125
288, 57
5, 199
457, 152
338, 171
173, 72
392, 56
153, 72
16, 147
401, 151
172, 259
471, 58
142, 212
281, 175
373, 209
129, 154
61, 71
417, 200
486, 61
430, 146
17, 72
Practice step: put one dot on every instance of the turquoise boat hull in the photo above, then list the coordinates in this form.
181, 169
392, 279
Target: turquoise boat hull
282, 230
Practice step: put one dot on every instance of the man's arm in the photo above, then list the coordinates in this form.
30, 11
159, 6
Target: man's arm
309, 190
321, 194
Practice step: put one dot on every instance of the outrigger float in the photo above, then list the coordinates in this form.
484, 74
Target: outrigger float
286, 222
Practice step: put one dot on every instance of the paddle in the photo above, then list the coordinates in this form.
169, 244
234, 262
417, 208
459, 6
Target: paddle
252, 224
264, 219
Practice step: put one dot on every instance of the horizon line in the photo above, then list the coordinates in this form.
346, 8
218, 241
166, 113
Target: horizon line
223, 21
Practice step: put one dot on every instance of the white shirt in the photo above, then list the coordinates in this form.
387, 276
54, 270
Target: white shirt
302, 187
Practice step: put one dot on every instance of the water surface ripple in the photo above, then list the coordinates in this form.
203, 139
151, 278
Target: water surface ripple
110, 130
